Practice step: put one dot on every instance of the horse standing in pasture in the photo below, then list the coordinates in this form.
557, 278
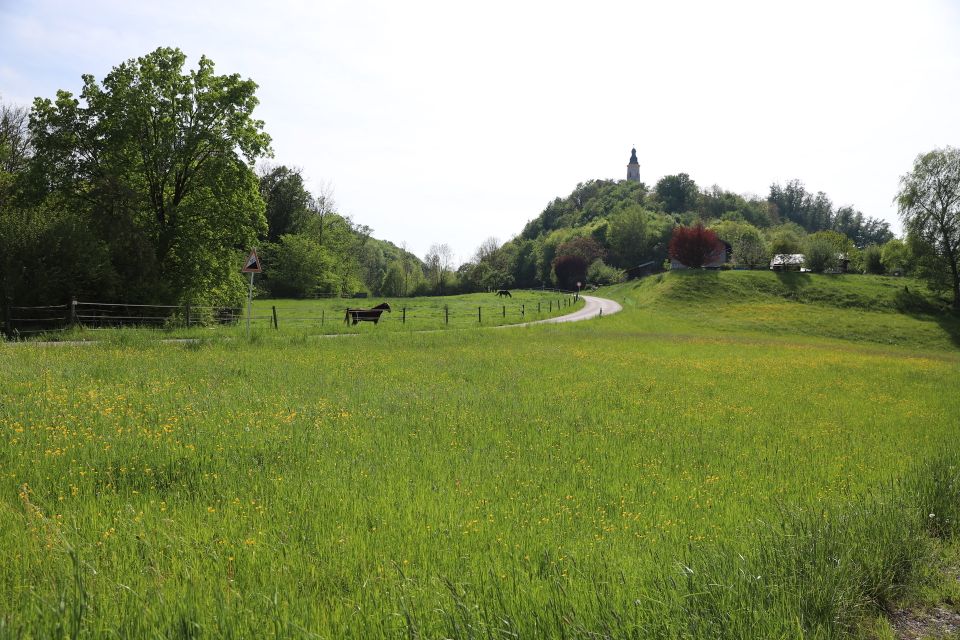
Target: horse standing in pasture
503, 293
366, 315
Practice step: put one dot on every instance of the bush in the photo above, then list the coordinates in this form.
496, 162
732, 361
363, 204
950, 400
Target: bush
786, 238
873, 260
821, 255
749, 249
601, 273
896, 257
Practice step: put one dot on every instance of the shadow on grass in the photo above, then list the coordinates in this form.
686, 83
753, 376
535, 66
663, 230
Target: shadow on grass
793, 281
921, 307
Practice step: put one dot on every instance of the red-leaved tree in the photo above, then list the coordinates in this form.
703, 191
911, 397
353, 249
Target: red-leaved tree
695, 246
570, 269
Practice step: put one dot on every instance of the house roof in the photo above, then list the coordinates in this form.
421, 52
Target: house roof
785, 259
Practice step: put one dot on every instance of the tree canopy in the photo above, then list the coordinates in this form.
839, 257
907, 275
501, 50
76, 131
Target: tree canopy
695, 246
677, 193
929, 203
157, 161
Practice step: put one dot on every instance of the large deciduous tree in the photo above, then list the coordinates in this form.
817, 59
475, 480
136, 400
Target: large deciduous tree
286, 198
695, 246
569, 269
929, 203
677, 193
628, 237
159, 162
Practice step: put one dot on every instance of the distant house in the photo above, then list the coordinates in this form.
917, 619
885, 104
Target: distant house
788, 262
724, 258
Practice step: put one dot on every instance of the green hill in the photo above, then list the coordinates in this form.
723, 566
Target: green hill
883, 310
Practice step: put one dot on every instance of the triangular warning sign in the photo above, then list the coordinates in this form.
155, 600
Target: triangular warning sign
252, 265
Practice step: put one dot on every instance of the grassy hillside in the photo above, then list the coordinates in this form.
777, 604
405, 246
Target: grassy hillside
859, 308
660, 473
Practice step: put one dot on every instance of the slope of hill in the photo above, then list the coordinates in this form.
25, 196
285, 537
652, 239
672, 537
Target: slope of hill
883, 310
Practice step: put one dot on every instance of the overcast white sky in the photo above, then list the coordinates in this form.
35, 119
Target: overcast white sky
452, 121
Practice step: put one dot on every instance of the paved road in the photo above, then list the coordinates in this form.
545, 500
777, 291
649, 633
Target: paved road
592, 308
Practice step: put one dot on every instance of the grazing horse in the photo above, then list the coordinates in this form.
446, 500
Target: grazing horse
366, 315
503, 293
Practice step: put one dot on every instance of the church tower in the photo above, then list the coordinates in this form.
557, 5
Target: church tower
633, 169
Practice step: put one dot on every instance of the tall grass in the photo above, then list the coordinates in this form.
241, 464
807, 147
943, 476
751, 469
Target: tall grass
603, 479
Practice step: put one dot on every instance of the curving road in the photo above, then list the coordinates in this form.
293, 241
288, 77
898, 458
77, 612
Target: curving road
593, 307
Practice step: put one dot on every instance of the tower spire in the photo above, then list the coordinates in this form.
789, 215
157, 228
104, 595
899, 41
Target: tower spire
633, 169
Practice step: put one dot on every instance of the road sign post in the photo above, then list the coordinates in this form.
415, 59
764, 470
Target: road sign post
251, 266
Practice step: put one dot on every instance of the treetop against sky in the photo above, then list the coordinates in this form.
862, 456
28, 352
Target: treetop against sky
439, 123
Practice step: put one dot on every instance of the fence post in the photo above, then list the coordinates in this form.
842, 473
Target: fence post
73, 312
446, 314
523, 311
504, 311
551, 306
7, 317
275, 325
538, 308
479, 316
323, 316
186, 313
404, 316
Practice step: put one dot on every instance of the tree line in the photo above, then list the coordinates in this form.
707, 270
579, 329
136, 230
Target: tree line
607, 230
150, 187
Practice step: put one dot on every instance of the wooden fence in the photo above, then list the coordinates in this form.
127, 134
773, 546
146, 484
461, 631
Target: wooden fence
22, 322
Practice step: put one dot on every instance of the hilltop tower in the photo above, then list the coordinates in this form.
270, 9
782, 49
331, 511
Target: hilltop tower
633, 169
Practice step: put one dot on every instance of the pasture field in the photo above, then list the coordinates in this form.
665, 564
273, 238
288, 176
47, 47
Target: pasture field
644, 475
325, 316
466, 311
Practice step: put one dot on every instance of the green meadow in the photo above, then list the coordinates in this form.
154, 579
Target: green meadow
735, 455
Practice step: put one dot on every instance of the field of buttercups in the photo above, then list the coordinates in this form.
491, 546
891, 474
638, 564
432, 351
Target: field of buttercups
602, 479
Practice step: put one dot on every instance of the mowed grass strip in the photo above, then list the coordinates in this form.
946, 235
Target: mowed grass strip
598, 479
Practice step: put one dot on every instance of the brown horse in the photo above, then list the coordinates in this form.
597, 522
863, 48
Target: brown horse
503, 293
366, 315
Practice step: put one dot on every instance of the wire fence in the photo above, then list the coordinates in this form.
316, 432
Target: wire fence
331, 314
20, 321
414, 314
